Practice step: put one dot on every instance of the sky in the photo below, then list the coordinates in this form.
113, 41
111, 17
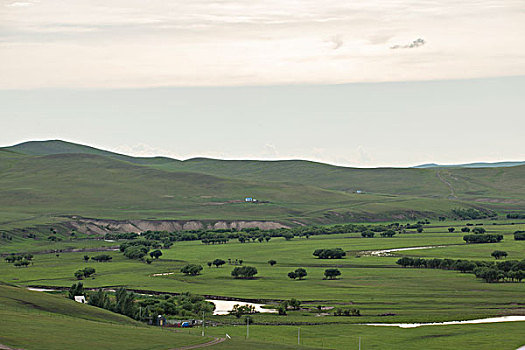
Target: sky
357, 83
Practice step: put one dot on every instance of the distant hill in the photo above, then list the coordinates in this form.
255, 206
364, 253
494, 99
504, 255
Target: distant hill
54, 178
471, 165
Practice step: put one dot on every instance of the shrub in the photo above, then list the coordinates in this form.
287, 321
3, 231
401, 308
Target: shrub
191, 269
245, 272
336, 253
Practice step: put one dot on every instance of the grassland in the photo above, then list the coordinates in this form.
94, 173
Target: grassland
35, 320
42, 182
43, 185
374, 284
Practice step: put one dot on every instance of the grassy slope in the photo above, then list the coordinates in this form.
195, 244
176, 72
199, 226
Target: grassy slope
98, 186
54, 322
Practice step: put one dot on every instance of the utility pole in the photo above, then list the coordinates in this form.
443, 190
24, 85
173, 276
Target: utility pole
299, 336
203, 323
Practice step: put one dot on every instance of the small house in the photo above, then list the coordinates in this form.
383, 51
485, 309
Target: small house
80, 299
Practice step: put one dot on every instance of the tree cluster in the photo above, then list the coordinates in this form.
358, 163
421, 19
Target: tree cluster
481, 238
510, 270
191, 269
299, 273
22, 260
84, 273
244, 272
334, 253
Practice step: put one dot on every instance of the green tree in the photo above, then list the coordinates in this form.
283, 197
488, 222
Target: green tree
76, 289
498, 254
272, 262
292, 275
245, 272
301, 273
451, 229
155, 254
332, 273
218, 262
191, 269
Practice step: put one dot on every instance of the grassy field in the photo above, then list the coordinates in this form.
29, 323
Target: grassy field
35, 320
43, 184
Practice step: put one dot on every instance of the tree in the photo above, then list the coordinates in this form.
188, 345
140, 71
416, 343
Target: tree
239, 310
519, 235
76, 289
101, 258
191, 269
465, 229
155, 254
86, 258
79, 274
294, 304
267, 238
209, 263
451, 229
419, 229
272, 262
245, 272
388, 233
367, 234
498, 254
405, 261
478, 230
301, 273
135, 252
240, 261
332, 273
88, 271
218, 262
288, 236
292, 275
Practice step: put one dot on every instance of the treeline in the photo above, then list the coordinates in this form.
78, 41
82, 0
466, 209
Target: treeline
481, 238
472, 213
515, 216
491, 272
220, 236
145, 308
22, 260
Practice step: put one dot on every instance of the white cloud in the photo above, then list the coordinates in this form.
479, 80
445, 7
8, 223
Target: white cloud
132, 43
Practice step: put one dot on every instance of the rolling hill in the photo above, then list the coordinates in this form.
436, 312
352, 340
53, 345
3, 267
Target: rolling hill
50, 179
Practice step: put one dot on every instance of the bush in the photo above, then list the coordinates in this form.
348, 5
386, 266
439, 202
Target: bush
245, 272
336, 253
478, 230
389, 233
191, 269
519, 235
498, 254
367, 234
451, 229
465, 229
136, 252
100, 258
272, 262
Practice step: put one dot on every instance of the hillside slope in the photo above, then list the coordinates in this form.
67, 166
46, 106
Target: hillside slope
75, 180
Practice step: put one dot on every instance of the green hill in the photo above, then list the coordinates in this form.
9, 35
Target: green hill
40, 321
56, 178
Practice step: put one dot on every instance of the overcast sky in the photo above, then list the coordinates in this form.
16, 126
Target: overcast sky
362, 83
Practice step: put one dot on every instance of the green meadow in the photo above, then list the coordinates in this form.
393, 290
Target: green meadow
380, 289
